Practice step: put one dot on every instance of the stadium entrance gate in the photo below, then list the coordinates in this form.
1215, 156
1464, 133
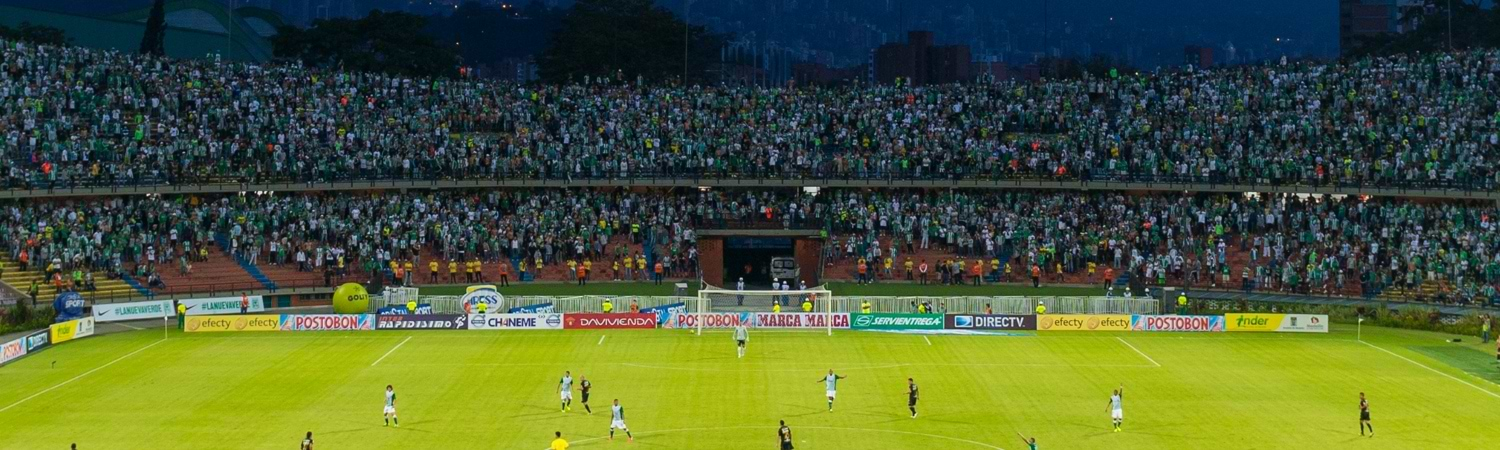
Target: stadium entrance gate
760, 257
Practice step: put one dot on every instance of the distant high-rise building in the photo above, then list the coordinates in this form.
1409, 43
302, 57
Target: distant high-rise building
1364, 18
919, 62
1196, 56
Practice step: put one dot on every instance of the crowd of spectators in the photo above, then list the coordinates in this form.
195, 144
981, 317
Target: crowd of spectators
1346, 246
72, 116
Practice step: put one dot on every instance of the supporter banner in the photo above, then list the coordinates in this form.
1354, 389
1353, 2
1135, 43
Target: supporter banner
710, 320
515, 321
72, 329
37, 341
664, 313
327, 322
990, 322
401, 309
12, 350
860, 321
221, 305
69, 306
801, 320
115, 312
238, 322
422, 322
1283, 323
1177, 323
1083, 322
539, 308
595, 321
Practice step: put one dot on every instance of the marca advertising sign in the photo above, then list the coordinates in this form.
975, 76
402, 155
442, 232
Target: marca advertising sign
12, 350
1283, 323
990, 322
115, 312
72, 329
860, 321
401, 309
221, 305
38, 340
759, 320
422, 322
239, 322
1177, 323
327, 322
515, 321
1083, 322
595, 321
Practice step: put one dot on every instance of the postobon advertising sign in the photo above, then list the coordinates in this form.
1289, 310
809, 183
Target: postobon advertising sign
1282, 323
1177, 323
72, 329
10, 351
245, 322
115, 312
327, 322
861, 321
1083, 322
515, 321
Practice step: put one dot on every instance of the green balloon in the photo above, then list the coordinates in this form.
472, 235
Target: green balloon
351, 298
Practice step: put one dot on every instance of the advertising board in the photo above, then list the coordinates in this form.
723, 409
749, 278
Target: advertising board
10, 351
72, 329
114, 312
1279, 323
327, 322
1083, 322
515, 321
422, 322
598, 321
237, 322
990, 322
1176, 323
860, 321
221, 305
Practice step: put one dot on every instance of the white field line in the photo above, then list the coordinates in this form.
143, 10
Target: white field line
929, 341
388, 353
601, 339
70, 380
1138, 351
1439, 372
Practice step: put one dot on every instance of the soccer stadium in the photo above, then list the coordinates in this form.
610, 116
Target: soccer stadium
599, 224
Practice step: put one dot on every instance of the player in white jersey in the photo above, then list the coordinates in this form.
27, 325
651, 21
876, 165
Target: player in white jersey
833, 387
565, 390
1116, 408
390, 406
617, 420
741, 337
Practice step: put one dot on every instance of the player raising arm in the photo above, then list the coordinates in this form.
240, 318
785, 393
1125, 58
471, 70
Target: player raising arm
833, 387
1030, 442
1116, 410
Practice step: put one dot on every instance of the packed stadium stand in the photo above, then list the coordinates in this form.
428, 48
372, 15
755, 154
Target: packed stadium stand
73, 117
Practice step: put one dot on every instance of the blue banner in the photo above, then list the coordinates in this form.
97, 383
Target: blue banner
69, 306
396, 310
36, 341
540, 308
664, 313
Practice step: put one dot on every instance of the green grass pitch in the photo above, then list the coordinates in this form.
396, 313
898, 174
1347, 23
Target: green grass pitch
498, 390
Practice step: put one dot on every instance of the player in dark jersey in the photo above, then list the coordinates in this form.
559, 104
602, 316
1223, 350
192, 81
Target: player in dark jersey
307, 444
1364, 416
911, 400
784, 436
584, 385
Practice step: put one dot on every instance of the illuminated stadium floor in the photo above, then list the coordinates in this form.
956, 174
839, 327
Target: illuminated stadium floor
498, 390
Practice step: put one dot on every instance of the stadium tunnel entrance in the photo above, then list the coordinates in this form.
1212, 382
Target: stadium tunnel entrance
760, 256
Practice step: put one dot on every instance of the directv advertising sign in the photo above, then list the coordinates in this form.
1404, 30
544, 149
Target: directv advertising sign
990, 322
69, 306
38, 340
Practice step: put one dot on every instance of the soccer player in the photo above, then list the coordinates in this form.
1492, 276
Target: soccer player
833, 387
911, 400
1364, 416
583, 386
307, 444
784, 436
565, 389
390, 406
559, 443
741, 337
617, 420
1030, 442
1116, 411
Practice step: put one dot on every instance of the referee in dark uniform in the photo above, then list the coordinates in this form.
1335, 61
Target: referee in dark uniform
1364, 416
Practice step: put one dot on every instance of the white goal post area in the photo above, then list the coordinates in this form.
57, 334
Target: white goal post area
714, 299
